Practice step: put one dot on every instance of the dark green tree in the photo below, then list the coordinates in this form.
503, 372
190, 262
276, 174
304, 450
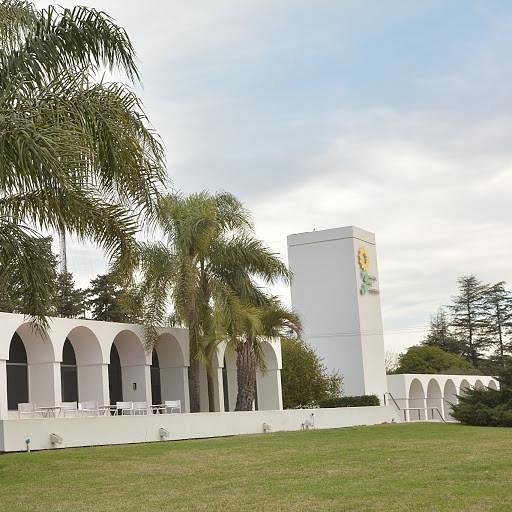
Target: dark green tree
16, 295
440, 335
468, 318
432, 359
304, 378
69, 301
487, 407
497, 302
109, 301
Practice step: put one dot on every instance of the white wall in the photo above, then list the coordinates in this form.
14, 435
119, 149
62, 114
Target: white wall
343, 326
438, 390
137, 429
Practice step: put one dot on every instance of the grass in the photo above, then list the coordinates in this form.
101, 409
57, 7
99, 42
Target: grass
418, 467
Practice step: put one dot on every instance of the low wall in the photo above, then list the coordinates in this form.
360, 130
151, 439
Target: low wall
139, 429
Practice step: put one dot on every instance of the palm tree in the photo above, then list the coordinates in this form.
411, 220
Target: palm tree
249, 328
76, 153
209, 261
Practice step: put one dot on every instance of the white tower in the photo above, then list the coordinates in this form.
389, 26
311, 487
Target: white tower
335, 289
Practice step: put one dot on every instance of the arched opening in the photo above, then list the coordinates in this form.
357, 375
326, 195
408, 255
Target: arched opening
156, 387
450, 398
89, 361
268, 381
492, 385
479, 384
416, 401
17, 374
115, 378
40, 373
434, 400
68, 373
131, 372
173, 373
464, 386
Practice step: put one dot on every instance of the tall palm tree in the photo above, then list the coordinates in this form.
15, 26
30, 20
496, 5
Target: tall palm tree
76, 153
249, 327
209, 260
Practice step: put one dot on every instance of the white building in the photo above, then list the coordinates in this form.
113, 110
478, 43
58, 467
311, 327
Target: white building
106, 362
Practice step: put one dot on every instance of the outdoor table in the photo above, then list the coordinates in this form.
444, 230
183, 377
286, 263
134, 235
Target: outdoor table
50, 410
158, 408
106, 409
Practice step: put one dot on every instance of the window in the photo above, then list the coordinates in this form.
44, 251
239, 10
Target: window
156, 389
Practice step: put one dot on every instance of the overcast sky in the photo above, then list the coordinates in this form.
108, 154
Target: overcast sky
394, 116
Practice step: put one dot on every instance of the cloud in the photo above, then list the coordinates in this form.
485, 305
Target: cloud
393, 116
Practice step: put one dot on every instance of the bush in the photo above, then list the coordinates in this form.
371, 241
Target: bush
349, 401
485, 407
304, 378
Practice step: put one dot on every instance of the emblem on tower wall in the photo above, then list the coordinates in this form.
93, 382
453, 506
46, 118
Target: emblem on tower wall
368, 282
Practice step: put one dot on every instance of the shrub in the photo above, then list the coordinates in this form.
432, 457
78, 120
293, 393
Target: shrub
304, 378
485, 407
350, 401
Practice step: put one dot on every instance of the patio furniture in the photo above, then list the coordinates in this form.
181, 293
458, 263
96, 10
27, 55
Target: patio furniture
157, 408
48, 411
172, 405
27, 410
123, 408
88, 408
107, 410
70, 408
140, 408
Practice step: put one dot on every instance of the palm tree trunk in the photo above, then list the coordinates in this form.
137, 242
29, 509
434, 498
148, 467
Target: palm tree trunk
246, 376
195, 386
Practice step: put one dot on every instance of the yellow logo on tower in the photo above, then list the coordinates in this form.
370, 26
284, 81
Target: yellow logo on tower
363, 258
368, 282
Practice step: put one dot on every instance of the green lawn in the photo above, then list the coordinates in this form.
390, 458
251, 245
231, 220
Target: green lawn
383, 468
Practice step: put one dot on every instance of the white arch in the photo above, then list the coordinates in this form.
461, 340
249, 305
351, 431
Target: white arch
450, 398
492, 384
135, 370
89, 362
434, 400
479, 384
173, 371
416, 400
464, 386
43, 371
268, 381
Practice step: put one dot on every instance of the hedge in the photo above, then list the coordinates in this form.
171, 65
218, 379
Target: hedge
349, 401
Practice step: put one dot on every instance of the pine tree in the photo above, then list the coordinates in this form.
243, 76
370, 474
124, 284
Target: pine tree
498, 318
16, 297
69, 301
440, 334
468, 318
109, 301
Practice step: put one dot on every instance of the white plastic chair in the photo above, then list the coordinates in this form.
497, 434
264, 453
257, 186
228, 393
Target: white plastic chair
172, 405
68, 407
123, 408
88, 407
140, 408
27, 410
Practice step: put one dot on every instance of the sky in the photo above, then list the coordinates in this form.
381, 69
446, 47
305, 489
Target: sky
394, 116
